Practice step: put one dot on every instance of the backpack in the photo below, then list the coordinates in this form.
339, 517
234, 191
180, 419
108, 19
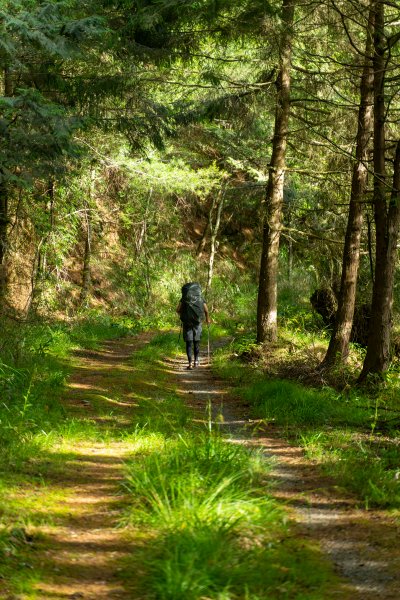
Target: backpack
192, 304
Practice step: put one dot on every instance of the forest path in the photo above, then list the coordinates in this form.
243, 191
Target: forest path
79, 554
362, 545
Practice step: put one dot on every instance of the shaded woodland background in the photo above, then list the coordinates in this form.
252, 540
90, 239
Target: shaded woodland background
148, 143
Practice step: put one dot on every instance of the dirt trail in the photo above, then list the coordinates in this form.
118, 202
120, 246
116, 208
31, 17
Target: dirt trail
363, 545
81, 553
84, 552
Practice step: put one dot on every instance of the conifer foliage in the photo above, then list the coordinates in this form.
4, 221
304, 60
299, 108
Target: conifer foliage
102, 101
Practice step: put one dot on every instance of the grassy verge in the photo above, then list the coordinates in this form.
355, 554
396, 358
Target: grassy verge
204, 523
32, 376
352, 435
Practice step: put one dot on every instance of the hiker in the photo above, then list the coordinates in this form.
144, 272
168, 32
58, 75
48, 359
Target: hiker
192, 310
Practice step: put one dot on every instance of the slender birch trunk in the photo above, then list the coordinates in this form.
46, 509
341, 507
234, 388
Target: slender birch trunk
87, 254
214, 228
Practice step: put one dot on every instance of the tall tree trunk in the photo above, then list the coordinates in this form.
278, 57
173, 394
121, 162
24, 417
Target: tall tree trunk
214, 228
3, 237
41, 263
387, 219
290, 246
8, 91
86, 271
338, 349
370, 248
267, 290
377, 359
87, 254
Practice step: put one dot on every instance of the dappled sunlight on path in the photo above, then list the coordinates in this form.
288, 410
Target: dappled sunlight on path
78, 554
79, 546
84, 548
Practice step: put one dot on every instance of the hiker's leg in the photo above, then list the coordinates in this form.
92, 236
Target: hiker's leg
188, 337
189, 351
196, 344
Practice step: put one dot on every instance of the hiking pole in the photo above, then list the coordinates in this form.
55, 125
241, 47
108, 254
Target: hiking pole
208, 344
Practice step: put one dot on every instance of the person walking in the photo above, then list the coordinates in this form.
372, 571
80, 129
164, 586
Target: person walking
192, 310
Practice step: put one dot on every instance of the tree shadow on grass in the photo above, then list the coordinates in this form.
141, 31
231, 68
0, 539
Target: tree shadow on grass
73, 543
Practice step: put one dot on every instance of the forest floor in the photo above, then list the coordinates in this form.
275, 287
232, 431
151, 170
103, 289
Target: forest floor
78, 549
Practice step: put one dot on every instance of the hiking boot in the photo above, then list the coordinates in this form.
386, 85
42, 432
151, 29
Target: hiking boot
189, 367
196, 363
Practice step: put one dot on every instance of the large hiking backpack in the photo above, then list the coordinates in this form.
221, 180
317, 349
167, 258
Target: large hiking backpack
192, 304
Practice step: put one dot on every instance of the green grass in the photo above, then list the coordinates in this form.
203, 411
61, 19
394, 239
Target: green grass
207, 524
36, 433
351, 434
17, 572
192, 476
198, 507
213, 529
290, 404
33, 371
366, 465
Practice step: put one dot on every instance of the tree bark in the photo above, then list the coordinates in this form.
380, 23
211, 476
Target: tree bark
41, 267
8, 91
387, 219
338, 349
290, 247
3, 237
86, 272
377, 359
87, 254
267, 291
370, 251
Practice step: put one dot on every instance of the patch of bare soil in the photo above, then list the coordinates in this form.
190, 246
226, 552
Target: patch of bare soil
362, 545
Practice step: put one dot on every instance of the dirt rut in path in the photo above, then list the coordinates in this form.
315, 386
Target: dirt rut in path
362, 545
79, 554
84, 551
